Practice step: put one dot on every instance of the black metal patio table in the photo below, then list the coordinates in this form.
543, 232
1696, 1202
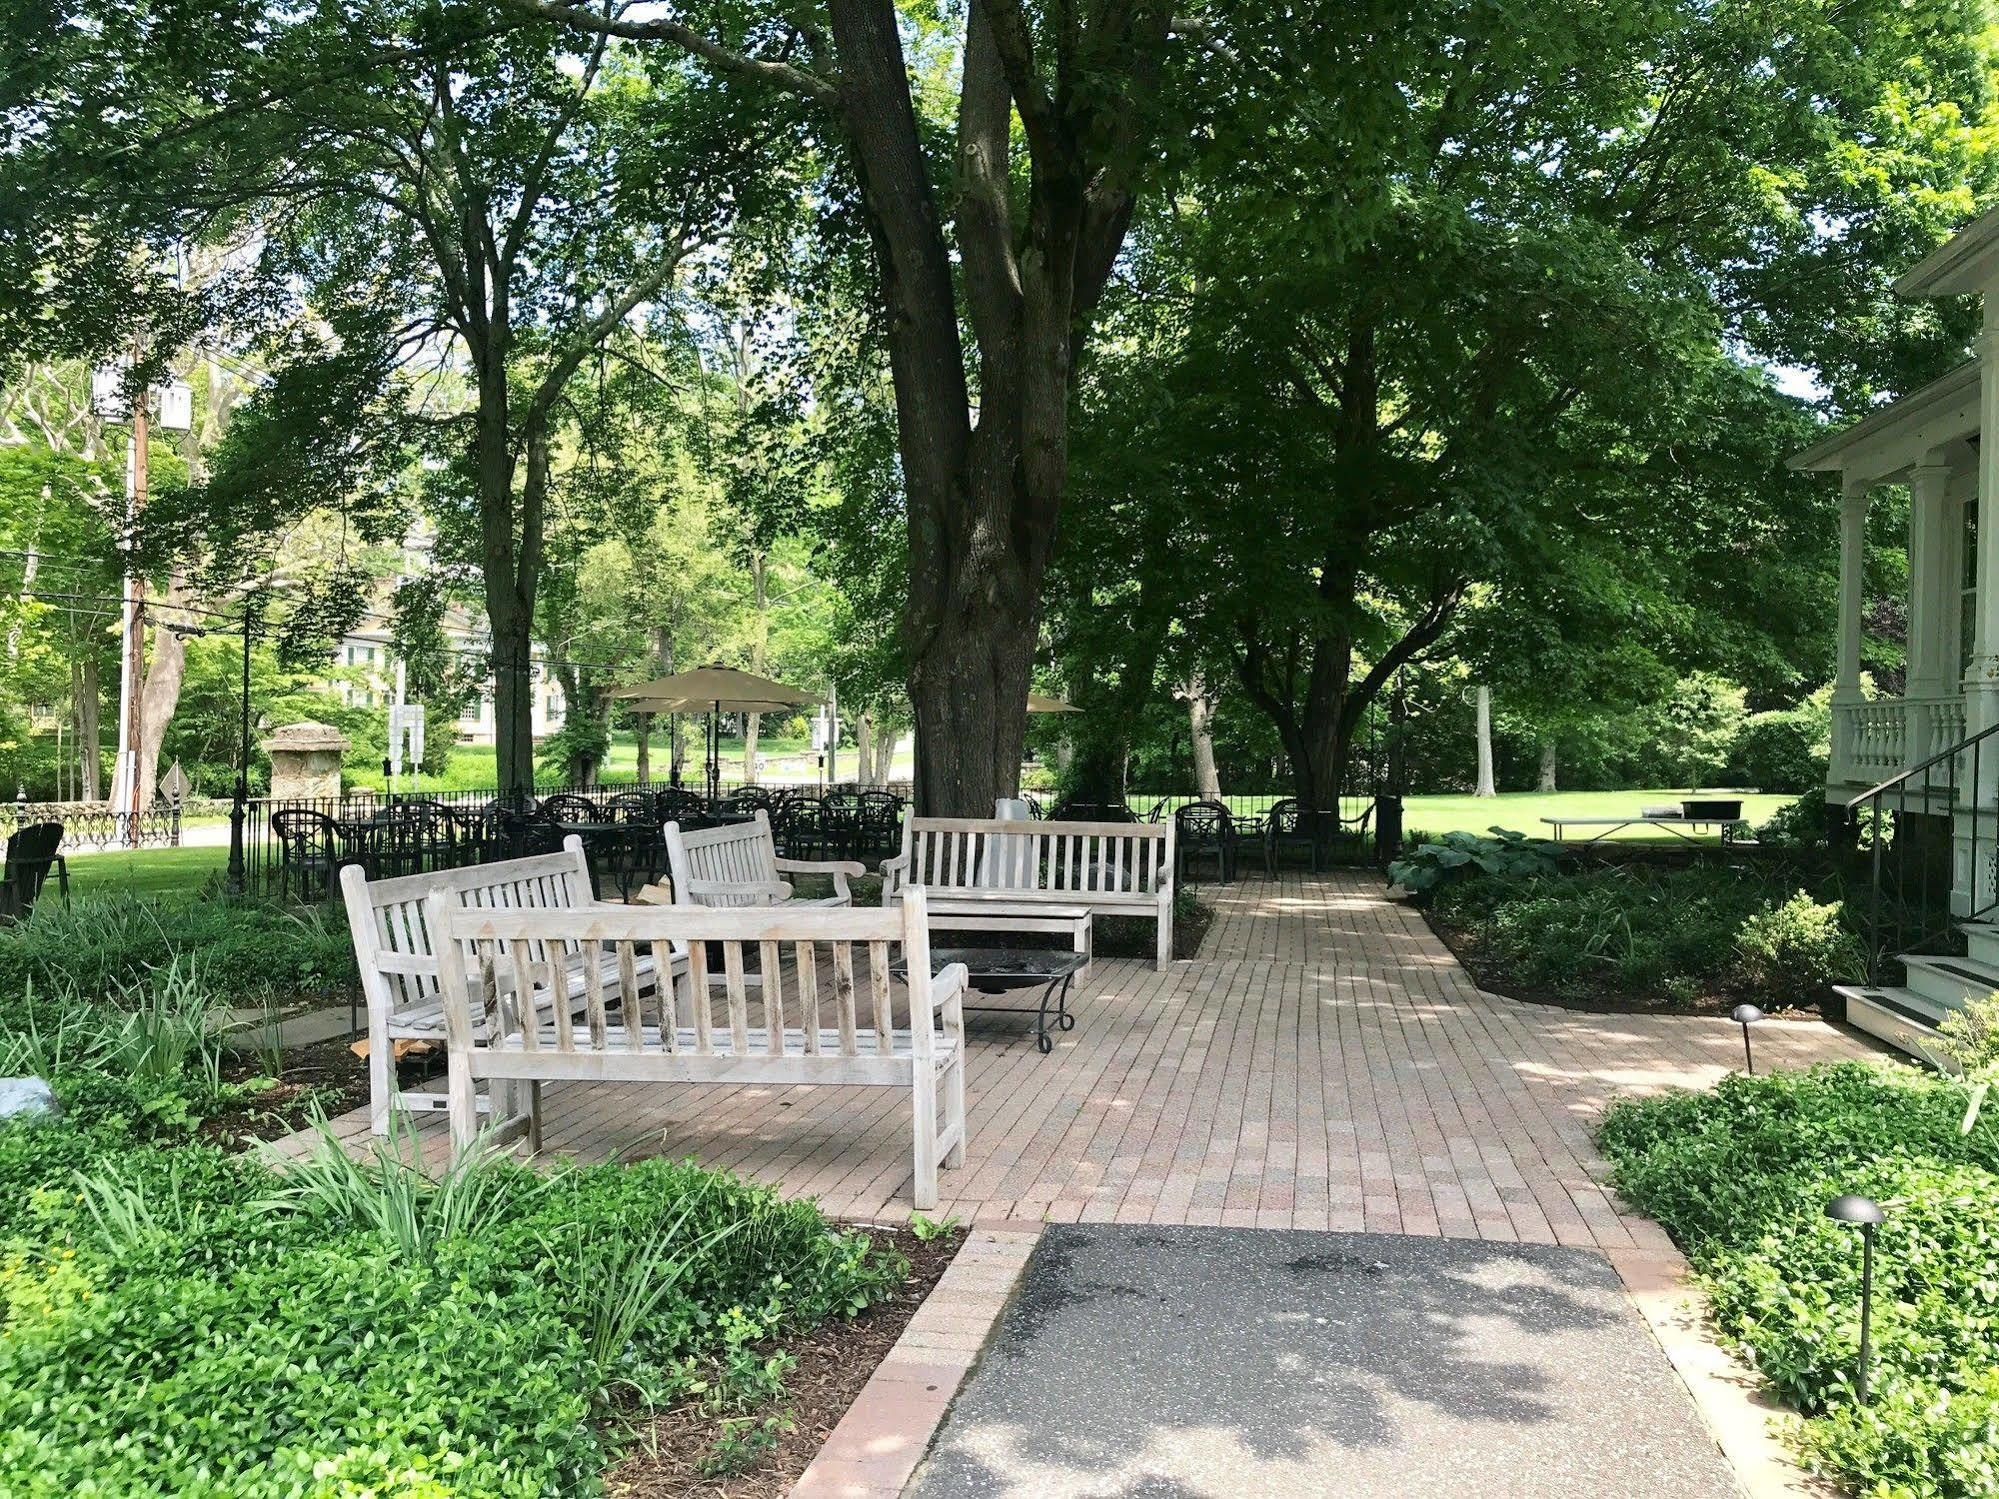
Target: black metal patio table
1000, 970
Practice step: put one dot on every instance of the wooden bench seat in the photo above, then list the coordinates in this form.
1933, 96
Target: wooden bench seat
392, 932
982, 871
814, 964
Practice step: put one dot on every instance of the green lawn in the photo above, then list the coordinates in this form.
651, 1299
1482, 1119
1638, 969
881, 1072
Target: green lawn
145, 869
471, 765
1522, 811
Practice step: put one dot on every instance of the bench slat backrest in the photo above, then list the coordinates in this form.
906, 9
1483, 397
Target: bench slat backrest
490, 972
1086, 858
390, 919
736, 853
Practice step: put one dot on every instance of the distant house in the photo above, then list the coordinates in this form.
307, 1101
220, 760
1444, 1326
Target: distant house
369, 678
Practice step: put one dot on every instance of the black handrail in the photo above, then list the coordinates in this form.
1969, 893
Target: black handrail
1915, 926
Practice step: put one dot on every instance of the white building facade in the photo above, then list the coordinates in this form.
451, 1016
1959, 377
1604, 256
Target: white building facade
1925, 747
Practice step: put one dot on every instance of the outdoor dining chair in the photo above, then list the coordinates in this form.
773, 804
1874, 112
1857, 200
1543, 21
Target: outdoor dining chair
1205, 829
310, 846
31, 854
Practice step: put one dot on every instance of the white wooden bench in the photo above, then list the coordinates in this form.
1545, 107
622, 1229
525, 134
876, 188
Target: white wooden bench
736, 864
506, 1018
985, 872
393, 947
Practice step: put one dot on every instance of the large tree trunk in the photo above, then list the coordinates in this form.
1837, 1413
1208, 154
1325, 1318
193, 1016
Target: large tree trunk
86, 698
512, 572
864, 743
1200, 716
1546, 780
642, 733
166, 669
969, 688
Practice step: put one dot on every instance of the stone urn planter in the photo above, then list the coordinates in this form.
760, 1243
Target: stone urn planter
305, 761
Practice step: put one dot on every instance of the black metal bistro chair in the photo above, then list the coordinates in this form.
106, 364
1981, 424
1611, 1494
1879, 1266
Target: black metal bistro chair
807, 828
877, 824
567, 806
31, 854
1205, 829
414, 838
311, 849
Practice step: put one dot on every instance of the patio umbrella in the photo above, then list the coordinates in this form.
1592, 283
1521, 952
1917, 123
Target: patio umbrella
1039, 703
716, 690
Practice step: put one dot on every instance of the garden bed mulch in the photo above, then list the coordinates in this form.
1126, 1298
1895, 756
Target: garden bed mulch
324, 1075
832, 1363
1595, 998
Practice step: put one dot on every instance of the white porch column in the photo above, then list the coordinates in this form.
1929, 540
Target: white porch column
1932, 602
1981, 681
1852, 577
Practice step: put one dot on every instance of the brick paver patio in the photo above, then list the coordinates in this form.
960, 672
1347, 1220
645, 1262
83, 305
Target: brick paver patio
1325, 1063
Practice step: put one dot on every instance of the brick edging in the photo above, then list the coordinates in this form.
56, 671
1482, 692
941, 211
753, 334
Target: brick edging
874, 1450
1725, 1390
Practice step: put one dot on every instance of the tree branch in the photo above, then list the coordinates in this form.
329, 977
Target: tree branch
782, 75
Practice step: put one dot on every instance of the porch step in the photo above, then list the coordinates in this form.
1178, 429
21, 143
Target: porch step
1982, 938
1950, 982
1901, 1017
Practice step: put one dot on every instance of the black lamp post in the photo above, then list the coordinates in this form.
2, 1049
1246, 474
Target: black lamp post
1865, 1214
1746, 1016
239, 801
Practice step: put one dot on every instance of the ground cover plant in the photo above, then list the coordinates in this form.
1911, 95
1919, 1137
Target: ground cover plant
179, 1318
1700, 934
1740, 1177
246, 951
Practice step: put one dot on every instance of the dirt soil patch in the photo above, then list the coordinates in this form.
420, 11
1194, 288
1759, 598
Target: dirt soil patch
1602, 997
830, 1366
322, 1075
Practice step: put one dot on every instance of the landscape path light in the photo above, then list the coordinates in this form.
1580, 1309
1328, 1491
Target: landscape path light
1865, 1214
1746, 1016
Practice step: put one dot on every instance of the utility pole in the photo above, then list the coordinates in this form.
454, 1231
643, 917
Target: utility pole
127, 796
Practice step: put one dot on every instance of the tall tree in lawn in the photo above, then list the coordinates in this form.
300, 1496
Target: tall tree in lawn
1018, 231
1372, 382
431, 193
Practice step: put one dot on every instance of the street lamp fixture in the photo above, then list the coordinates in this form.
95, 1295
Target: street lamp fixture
1746, 1016
1865, 1214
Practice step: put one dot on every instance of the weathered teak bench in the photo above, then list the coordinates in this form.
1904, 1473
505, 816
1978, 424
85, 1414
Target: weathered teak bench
736, 864
506, 1019
985, 872
393, 947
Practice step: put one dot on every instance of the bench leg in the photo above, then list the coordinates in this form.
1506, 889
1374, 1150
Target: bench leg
462, 1102
923, 1102
1085, 940
381, 1072
954, 1110
1165, 938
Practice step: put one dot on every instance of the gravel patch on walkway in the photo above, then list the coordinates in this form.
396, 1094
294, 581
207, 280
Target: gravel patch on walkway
1179, 1362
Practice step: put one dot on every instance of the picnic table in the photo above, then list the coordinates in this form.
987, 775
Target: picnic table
1690, 821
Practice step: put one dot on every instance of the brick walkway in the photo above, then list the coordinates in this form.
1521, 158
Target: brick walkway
1325, 1063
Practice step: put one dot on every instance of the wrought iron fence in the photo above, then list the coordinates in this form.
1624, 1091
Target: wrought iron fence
475, 827
96, 825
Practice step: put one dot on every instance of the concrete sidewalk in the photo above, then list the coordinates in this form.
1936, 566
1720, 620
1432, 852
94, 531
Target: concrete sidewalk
1176, 1362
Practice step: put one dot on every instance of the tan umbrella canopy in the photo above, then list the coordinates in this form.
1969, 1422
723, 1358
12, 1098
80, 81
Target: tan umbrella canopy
1039, 703
716, 690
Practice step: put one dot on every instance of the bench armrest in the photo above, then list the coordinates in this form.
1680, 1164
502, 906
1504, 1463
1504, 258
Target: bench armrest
894, 872
772, 891
840, 869
947, 998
